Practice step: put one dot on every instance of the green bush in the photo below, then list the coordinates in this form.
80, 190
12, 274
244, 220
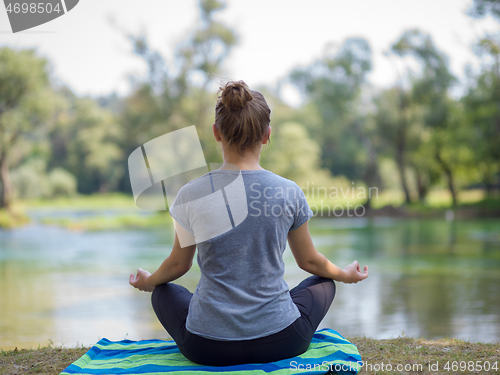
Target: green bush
61, 183
31, 181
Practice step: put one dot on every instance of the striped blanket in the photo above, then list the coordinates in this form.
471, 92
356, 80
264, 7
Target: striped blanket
329, 351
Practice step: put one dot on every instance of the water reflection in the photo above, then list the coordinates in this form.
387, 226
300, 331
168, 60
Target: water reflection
428, 278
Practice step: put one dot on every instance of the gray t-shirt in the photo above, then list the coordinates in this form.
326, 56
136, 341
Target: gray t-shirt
241, 294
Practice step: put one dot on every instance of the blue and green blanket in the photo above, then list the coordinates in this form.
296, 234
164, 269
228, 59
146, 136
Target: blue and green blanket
329, 351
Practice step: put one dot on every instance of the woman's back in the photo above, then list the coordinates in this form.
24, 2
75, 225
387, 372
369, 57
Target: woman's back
241, 293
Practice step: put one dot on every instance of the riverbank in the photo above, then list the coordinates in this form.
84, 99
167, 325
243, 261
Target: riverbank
402, 355
13, 218
117, 211
471, 204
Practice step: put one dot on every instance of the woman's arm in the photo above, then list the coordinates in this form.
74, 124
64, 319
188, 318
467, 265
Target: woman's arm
310, 260
177, 264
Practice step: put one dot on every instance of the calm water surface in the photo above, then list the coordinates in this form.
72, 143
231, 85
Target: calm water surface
428, 278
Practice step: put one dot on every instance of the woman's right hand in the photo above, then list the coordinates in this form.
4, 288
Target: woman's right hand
353, 274
142, 281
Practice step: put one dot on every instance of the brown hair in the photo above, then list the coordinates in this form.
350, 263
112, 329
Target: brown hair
242, 116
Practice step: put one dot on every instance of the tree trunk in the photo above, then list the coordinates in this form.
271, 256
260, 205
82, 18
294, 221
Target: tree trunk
401, 145
421, 187
402, 176
5, 183
449, 176
371, 176
451, 186
488, 185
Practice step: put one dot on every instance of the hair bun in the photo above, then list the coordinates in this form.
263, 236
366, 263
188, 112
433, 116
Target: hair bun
235, 95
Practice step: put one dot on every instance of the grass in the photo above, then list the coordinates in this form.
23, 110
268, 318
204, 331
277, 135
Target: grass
12, 218
97, 222
418, 356
47, 360
440, 198
80, 201
436, 199
407, 355
472, 203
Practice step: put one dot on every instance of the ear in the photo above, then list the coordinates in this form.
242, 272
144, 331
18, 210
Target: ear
267, 136
216, 133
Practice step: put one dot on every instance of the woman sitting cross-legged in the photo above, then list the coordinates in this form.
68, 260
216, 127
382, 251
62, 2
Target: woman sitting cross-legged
242, 310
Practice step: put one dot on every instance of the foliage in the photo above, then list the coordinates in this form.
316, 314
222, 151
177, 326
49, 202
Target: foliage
12, 218
180, 92
412, 136
27, 106
427, 134
482, 113
61, 183
85, 141
334, 85
481, 8
300, 163
31, 180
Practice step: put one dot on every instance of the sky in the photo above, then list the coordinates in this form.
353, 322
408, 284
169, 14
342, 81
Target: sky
90, 52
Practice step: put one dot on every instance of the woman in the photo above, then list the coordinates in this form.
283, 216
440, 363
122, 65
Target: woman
242, 310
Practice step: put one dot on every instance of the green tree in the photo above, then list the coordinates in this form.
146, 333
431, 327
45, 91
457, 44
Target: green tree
334, 86
300, 163
85, 141
426, 108
481, 8
27, 106
392, 117
482, 101
178, 93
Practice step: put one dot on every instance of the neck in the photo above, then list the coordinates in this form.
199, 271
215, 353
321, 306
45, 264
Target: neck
250, 160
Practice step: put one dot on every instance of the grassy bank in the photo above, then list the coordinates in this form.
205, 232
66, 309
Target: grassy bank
93, 201
99, 210
418, 356
472, 204
99, 222
13, 218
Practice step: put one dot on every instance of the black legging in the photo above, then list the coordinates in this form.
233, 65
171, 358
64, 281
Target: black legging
313, 298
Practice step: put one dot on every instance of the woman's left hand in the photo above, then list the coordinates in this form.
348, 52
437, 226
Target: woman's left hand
353, 274
142, 281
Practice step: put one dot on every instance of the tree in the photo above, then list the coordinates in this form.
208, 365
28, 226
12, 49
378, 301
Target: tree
173, 96
300, 163
334, 86
27, 104
86, 141
428, 98
481, 8
392, 118
482, 101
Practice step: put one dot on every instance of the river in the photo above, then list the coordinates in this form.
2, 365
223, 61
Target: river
428, 278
